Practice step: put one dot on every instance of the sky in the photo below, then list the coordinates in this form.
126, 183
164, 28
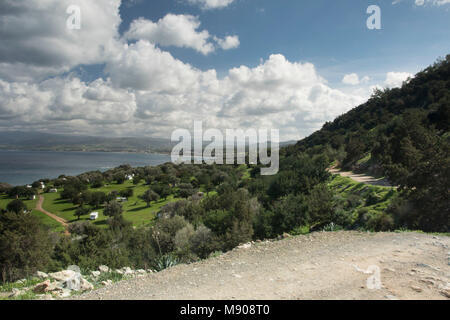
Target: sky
146, 68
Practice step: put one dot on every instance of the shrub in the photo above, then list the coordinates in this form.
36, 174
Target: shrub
166, 261
24, 246
203, 242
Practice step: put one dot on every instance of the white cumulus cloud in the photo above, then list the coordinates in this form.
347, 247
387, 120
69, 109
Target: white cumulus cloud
172, 30
211, 4
396, 79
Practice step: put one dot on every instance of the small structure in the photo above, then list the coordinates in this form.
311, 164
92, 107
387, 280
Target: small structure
130, 176
121, 199
94, 216
42, 185
53, 190
32, 197
29, 186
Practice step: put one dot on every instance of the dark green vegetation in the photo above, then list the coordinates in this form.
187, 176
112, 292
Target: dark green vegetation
402, 134
156, 217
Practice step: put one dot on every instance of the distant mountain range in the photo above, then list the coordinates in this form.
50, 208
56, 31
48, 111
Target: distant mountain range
38, 141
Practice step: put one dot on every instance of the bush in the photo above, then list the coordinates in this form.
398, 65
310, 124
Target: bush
183, 243
380, 222
203, 242
25, 246
164, 232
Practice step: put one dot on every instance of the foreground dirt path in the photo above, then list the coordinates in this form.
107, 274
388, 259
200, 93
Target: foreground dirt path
360, 177
51, 215
317, 266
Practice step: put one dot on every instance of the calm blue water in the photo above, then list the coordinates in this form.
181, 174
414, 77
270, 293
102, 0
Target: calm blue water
24, 167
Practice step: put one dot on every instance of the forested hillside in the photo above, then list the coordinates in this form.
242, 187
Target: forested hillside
182, 213
402, 134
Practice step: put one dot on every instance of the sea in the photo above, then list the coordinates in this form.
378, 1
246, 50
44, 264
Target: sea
25, 167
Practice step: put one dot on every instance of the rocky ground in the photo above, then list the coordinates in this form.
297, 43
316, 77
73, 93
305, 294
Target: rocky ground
324, 265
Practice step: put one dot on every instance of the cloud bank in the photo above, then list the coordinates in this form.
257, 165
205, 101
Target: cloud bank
144, 89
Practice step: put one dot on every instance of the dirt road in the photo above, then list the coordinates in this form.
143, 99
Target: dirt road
51, 215
360, 177
324, 265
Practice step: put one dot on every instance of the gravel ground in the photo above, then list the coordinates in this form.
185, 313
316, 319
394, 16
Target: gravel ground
324, 265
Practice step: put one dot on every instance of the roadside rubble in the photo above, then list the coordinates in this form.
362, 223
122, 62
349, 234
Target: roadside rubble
63, 284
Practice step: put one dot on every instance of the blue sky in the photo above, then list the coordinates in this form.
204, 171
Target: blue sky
147, 68
331, 34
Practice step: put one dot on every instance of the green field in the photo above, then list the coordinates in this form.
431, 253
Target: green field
135, 209
4, 200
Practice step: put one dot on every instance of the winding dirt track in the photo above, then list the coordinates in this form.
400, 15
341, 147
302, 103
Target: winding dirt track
51, 215
323, 265
366, 179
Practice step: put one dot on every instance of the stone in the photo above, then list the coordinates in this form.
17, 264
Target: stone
64, 293
245, 246
416, 289
15, 293
428, 281
127, 271
95, 274
141, 271
41, 287
119, 271
41, 275
103, 269
73, 283
63, 275
107, 283
85, 285
445, 292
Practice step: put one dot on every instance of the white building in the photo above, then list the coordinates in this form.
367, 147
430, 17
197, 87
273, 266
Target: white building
53, 190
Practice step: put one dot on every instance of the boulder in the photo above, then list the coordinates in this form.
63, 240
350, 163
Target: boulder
103, 269
73, 283
42, 287
70, 279
15, 293
63, 275
107, 283
41, 275
95, 274
127, 271
64, 293
245, 246
86, 285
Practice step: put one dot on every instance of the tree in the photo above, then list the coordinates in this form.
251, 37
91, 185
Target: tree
81, 211
25, 246
149, 196
113, 209
16, 206
185, 190
162, 190
97, 198
120, 177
